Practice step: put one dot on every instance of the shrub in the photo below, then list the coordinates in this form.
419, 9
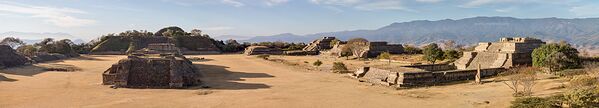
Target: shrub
583, 81
533, 102
582, 97
317, 63
385, 55
339, 67
522, 80
263, 56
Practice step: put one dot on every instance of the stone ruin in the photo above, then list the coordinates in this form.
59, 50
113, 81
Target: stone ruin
10, 58
508, 52
121, 45
157, 66
320, 44
257, 50
493, 57
372, 49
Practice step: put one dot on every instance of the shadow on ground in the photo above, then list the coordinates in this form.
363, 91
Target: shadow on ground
218, 77
94, 58
32, 70
4, 78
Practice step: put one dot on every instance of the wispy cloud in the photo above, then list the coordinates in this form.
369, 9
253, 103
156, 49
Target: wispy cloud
366, 4
57, 16
218, 28
585, 10
233, 3
275, 2
430, 1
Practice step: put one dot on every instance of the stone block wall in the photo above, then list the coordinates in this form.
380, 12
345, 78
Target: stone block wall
164, 72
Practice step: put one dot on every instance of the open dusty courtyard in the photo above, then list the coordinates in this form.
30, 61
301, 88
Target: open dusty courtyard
235, 81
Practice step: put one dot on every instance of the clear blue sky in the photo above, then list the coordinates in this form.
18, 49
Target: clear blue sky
91, 18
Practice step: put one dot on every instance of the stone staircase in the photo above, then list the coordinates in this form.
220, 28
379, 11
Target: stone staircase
500, 61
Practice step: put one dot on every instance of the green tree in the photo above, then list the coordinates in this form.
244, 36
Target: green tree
12, 42
410, 49
385, 55
451, 54
432, 53
556, 57
27, 50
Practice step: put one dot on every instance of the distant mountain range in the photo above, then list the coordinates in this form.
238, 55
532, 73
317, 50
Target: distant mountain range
582, 32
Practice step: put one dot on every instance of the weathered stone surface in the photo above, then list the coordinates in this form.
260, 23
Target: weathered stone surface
508, 52
159, 65
257, 50
10, 58
300, 53
371, 49
419, 78
119, 45
320, 44
151, 72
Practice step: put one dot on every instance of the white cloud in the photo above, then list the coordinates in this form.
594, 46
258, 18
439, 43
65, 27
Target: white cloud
275, 2
223, 28
382, 5
57, 16
585, 10
429, 1
233, 3
476, 3
366, 4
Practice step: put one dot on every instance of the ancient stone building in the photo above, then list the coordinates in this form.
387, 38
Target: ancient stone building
10, 58
376, 48
159, 48
120, 45
257, 50
371, 49
320, 44
159, 65
508, 52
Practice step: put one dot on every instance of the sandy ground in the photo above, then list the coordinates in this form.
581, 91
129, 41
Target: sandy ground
236, 81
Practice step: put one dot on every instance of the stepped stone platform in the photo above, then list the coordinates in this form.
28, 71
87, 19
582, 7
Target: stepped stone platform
508, 52
257, 50
157, 66
121, 45
493, 58
320, 44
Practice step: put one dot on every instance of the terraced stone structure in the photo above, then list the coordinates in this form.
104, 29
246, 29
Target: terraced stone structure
10, 58
257, 50
189, 44
320, 44
508, 52
166, 69
493, 58
372, 49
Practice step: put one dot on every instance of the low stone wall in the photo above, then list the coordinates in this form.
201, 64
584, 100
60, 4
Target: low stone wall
109, 53
200, 52
50, 57
301, 53
433, 67
411, 79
